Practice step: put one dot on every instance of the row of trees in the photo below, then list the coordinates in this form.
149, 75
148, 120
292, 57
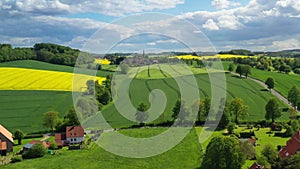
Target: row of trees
45, 52
285, 65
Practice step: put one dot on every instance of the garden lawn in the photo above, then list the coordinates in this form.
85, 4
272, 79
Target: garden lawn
187, 154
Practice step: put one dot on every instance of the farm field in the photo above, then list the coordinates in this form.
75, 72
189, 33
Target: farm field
33, 64
24, 109
30, 79
283, 82
187, 154
253, 95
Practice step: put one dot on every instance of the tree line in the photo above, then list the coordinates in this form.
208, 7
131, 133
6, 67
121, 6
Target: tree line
45, 52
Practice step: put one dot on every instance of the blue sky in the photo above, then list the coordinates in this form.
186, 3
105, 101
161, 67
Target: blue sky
101, 25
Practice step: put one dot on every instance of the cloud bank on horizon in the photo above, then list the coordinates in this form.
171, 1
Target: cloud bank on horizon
258, 25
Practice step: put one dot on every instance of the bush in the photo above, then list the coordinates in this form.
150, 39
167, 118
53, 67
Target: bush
247, 134
53, 146
37, 151
289, 132
230, 127
16, 159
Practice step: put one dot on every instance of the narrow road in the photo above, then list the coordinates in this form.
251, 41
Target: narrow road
274, 92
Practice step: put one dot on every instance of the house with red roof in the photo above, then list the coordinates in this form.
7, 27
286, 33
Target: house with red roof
292, 146
28, 146
75, 134
6, 141
256, 166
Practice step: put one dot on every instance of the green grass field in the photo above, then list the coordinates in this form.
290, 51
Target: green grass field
33, 64
24, 109
252, 93
283, 82
187, 154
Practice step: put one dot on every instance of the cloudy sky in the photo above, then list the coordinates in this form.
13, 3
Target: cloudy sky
98, 25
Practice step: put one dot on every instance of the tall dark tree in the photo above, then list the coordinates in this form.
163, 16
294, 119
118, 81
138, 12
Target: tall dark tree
239, 70
272, 110
270, 83
142, 114
71, 118
180, 112
19, 135
238, 109
225, 118
231, 67
294, 96
246, 70
223, 153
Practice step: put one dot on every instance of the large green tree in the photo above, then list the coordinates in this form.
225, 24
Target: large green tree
19, 135
51, 119
223, 153
180, 112
142, 114
272, 110
270, 153
270, 83
238, 109
294, 96
248, 149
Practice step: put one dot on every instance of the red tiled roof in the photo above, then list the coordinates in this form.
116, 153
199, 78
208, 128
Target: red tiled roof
256, 166
3, 145
74, 131
292, 146
6, 133
33, 142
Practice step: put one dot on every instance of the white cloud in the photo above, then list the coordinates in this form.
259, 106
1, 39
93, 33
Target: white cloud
224, 4
210, 25
286, 44
107, 7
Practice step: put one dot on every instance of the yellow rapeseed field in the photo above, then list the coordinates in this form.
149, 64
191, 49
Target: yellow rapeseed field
30, 79
221, 56
102, 61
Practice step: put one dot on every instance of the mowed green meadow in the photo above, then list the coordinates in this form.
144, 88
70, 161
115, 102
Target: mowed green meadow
254, 96
283, 82
24, 110
187, 154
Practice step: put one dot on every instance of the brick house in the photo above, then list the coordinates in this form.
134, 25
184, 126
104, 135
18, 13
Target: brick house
75, 134
292, 146
6, 141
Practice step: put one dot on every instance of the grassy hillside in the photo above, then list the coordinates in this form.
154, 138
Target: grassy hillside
32, 64
283, 82
253, 94
24, 109
187, 154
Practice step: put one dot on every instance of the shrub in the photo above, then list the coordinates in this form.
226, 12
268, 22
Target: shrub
16, 159
37, 151
53, 146
231, 127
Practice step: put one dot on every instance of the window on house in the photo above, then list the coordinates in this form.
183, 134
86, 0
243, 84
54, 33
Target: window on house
75, 134
71, 139
74, 139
